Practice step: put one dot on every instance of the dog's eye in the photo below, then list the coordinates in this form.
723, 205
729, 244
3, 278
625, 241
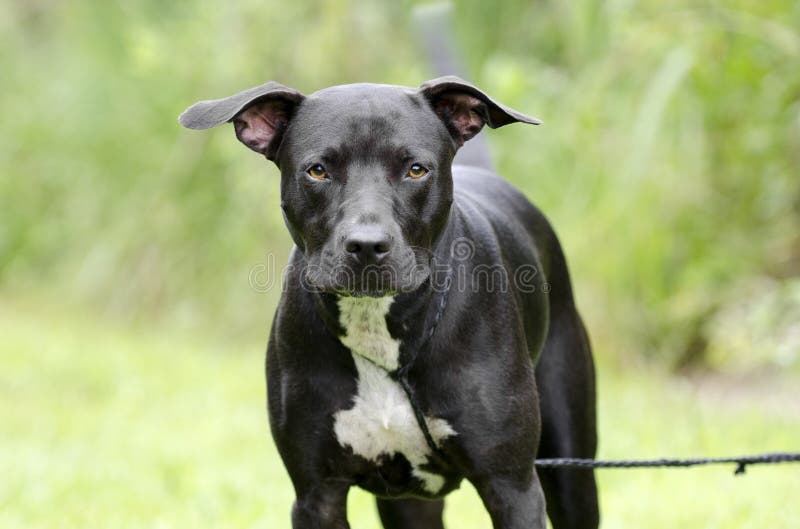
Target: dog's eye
317, 172
416, 171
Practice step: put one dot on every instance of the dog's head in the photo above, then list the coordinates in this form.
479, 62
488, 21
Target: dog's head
366, 185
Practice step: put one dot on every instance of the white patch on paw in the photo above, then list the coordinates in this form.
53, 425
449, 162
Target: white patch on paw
381, 421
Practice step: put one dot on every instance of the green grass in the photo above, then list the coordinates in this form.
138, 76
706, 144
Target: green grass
105, 425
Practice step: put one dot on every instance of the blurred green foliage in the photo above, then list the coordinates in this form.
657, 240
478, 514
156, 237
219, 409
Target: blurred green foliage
668, 161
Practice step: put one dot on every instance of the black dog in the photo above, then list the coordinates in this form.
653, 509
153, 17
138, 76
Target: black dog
427, 333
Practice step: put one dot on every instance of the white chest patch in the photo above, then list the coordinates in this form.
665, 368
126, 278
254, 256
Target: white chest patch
381, 421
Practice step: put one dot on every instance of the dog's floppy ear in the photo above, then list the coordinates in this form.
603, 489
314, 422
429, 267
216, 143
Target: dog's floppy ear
259, 115
465, 109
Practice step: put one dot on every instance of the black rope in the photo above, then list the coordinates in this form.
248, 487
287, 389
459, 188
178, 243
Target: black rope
423, 424
401, 376
741, 462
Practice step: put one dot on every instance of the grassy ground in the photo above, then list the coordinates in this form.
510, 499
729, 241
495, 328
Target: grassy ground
107, 426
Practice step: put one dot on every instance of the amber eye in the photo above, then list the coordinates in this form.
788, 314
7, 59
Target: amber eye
416, 171
317, 172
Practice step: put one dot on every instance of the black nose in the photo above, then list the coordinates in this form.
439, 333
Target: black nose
367, 244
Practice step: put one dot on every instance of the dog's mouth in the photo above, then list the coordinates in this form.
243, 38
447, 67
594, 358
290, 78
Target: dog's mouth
366, 281
370, 293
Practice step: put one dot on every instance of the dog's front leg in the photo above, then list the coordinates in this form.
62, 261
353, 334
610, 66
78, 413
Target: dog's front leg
321, 506
513, 504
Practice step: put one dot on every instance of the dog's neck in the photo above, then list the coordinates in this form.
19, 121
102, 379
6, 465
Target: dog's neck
385, 330
366, 330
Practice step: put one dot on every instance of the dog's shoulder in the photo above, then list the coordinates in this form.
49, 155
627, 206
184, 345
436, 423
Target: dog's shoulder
520, 228
495, 198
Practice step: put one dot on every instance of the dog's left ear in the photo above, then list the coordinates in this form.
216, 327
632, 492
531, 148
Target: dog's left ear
465, 109
260, 115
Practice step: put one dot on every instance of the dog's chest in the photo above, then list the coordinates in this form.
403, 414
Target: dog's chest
381, 423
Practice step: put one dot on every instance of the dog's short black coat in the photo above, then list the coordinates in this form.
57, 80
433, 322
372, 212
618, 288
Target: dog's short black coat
368, 183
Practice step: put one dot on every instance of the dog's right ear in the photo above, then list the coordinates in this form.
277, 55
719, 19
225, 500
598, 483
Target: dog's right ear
260, 115
465, 109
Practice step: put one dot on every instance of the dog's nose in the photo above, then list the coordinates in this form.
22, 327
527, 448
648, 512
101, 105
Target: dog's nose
368, 245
